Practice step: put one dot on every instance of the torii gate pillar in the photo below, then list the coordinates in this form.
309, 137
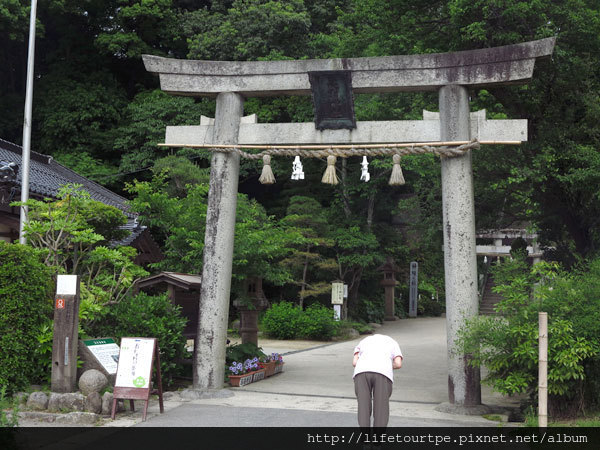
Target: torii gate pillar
464, 388
218, 247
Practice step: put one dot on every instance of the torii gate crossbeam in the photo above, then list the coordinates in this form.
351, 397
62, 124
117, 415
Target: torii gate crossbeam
451, 74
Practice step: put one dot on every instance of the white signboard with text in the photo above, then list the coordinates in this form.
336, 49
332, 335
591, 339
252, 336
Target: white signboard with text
106, 351
337, 293
135, 363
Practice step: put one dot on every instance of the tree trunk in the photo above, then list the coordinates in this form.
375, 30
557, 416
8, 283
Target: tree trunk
303, 286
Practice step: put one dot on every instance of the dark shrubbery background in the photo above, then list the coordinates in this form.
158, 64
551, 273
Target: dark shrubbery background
148, 316
26, 298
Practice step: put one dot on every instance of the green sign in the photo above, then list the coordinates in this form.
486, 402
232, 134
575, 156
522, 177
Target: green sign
90, 342
106, 352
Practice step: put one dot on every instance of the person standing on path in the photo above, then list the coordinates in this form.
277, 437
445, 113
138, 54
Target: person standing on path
375, 358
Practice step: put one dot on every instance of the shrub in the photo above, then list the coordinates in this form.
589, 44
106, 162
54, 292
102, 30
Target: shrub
242, 352
26, 297
281, 320
287, 321
148, 316
370, 310
317, 322
429, 306
508, 345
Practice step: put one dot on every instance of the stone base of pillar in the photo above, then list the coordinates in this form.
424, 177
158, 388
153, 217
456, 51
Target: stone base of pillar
195, 394
475, 410
390, 318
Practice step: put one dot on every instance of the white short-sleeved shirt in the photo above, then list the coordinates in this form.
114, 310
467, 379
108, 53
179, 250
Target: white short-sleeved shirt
376, 354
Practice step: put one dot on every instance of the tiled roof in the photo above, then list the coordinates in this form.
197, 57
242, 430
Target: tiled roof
135, 230
46, 177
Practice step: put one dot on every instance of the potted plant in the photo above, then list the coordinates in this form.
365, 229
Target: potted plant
241, 374
270, 362
278, 362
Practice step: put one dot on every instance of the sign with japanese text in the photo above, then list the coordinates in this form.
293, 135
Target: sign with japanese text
135, 363
337, 293
414, 289
106, 352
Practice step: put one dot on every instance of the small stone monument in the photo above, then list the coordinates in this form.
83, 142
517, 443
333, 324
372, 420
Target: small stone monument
389, 270
249, 306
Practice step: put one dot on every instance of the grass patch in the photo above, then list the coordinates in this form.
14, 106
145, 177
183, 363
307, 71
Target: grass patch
593, 421
493, 417
9, 410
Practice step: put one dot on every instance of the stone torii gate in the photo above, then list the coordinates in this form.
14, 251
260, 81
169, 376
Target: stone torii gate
451, 74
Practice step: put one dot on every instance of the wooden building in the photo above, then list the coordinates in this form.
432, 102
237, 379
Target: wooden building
183, 289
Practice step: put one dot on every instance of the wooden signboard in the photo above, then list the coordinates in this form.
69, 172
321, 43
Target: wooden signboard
65, 334
137, 356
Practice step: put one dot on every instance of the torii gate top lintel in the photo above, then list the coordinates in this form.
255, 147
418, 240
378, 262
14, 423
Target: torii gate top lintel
509, 64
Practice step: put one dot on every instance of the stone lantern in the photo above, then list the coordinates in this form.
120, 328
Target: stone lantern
389, 270
249, 306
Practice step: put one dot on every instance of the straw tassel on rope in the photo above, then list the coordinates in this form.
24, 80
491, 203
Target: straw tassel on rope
266, 177
396, 178
329, 177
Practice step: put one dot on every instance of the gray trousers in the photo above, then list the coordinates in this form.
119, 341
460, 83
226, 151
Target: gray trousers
373, 391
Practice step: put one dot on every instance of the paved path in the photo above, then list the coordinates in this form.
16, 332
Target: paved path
316, 387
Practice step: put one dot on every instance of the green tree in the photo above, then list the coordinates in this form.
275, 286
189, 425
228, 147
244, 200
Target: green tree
309, 217
143, 127
68, 231
507, 345
250, 29
260, 241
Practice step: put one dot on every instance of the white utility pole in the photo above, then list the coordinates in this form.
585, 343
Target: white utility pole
27, 123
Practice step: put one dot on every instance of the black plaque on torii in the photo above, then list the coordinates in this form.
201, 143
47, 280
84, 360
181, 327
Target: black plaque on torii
332, 99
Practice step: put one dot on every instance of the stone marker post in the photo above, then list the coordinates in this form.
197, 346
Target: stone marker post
464, 389
66, 334
389, 283
211, 339
413, 293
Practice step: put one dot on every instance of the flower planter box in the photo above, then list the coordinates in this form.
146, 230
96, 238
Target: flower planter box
278, 368
269, 368
258, 375
247, 378
241, 380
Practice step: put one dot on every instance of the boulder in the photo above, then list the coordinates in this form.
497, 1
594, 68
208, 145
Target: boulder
93, 403
21, 397
37, 401
54, 402
77, 418
92, 381
107, 401
71, 401
352, 333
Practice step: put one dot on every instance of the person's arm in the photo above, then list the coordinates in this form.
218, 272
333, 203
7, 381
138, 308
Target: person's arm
397, 362
355, 360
